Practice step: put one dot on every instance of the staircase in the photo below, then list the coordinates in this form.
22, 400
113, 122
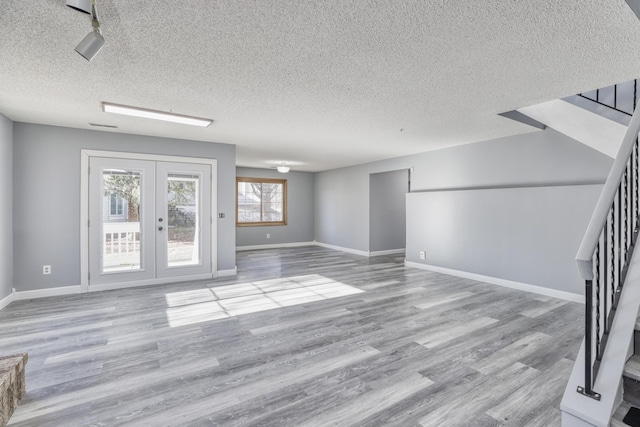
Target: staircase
631, 386
582, 124
608, 366
598, 119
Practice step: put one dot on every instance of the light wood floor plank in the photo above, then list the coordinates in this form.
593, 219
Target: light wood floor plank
450, 332
524, 405
370, 403
479, 395
300, 335
512, 353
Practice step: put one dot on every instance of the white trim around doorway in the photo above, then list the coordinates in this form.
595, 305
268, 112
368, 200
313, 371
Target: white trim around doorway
85, 156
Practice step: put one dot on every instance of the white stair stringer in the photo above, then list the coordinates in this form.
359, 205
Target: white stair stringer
581, 411
595, 131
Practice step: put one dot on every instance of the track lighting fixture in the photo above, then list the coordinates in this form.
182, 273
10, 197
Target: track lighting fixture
93, 42
90, 45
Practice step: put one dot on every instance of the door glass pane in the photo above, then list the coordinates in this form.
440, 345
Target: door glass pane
121, 246
183, 199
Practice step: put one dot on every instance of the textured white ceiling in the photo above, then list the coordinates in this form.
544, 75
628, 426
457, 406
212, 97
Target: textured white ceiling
320, 84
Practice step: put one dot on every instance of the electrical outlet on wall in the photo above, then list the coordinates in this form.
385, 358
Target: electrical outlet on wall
46, 269
423, 254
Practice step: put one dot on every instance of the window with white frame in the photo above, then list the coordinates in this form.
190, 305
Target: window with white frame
116, 205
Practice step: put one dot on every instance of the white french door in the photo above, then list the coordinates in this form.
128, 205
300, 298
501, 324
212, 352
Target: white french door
183, 227
148, 221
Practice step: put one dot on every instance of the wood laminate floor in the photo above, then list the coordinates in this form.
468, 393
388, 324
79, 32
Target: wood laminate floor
301, 337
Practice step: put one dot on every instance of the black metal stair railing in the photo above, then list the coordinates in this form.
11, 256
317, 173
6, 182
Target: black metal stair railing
616, 97
606, 250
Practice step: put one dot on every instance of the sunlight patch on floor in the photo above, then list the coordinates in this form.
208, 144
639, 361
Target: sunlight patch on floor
203, 305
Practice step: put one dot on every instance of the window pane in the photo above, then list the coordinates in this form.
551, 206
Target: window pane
272, 203
249, 201
114, 206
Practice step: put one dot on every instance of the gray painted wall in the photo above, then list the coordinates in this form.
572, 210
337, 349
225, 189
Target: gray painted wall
300, 212
538, 158
544, 159
387, 210
528, 235
47, 196
342, 207
6, 212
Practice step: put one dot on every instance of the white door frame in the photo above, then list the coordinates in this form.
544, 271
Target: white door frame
85, 155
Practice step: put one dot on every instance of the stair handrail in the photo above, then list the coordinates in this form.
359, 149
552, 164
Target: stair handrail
605, 236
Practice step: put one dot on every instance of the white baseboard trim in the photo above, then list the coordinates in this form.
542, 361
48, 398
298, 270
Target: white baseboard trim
44, 293
137, 283
340, 248
324, 245
500, 282
8, 299
68, 290
274, 246
228, 273
387, 252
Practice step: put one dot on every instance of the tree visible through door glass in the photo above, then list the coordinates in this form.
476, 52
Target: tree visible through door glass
121, 246
183, 222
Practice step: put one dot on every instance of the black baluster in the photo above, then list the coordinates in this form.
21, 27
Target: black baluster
597, 284
632, 192
588, 338
613, 251
605, 253
619, 231
636, 198
626, 215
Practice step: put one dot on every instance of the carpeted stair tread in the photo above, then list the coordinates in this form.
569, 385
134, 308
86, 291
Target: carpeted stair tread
632, 368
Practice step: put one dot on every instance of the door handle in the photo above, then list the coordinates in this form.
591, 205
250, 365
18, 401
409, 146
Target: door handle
159, 228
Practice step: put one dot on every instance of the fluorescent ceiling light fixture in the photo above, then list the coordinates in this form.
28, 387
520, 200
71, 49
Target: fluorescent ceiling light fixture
126, 110
283, 168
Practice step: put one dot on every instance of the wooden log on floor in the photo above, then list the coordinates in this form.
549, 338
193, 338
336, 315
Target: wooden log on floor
12, 384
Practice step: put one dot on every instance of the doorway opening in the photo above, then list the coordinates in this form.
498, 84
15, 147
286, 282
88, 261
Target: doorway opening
146, 219
387, 211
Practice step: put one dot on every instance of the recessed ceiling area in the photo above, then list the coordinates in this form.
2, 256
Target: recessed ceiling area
319, 84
